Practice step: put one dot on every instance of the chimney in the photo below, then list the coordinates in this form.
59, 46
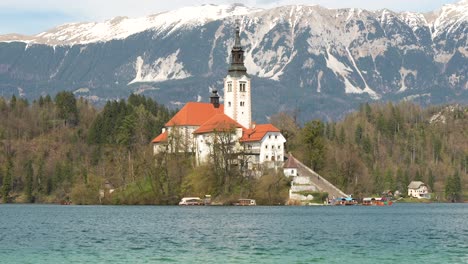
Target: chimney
214, 98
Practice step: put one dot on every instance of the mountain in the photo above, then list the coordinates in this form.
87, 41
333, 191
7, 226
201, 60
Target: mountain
314, 61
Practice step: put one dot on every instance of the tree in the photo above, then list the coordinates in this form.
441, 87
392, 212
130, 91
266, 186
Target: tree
378, 183
312, 137
430, 180
286, 123
29, 181
7, 179
358, 134
66, 108
389, 181
453, 188
224, 156
342, 136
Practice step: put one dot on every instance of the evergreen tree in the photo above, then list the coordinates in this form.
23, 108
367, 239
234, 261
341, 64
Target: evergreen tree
13, 102
7, 179
41, 101
40, 176
312, 136
358, 134
378, 183
430, 180
389, 181
406, 182
67, 108
453, 188
399, 180
29, 181
342, 137
368, 111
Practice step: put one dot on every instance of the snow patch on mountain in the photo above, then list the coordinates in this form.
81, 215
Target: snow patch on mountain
81, 90
414, 20
162, 69
449, 18
403, 73
319, 79
341, 70
367, 89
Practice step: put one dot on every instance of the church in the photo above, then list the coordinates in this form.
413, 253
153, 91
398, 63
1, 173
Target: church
198, 128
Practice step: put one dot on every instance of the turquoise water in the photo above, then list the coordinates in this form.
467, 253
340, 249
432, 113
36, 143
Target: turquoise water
403, 233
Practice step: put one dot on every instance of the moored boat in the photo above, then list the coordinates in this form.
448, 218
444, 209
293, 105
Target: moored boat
345, 201
191, 201
246, 202
372, 201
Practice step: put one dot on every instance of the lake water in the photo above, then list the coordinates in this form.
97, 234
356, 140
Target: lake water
402, 233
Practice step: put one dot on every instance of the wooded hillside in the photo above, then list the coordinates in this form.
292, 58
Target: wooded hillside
64, 149
383, 147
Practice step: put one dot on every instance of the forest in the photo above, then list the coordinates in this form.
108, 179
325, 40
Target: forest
383, 147
66, 150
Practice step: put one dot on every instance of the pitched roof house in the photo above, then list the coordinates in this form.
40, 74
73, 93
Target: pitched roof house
418, 189
198, 126
290, 167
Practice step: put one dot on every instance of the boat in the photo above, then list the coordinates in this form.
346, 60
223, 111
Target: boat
191, 201
246, 202
345, 201
372, 201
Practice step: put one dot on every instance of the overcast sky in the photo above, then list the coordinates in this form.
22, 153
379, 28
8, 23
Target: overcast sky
35, 16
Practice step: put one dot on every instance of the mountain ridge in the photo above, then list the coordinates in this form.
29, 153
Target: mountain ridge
318, 61
203, 14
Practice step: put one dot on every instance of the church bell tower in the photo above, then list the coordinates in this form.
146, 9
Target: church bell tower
237, 94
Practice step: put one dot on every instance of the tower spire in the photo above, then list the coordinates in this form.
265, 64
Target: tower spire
237, 44
237, 67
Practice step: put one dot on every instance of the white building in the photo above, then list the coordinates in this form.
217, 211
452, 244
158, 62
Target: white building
198, 126
290, 167
418, 190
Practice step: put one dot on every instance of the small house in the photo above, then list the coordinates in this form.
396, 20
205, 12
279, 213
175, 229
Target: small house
418, 189
290, 167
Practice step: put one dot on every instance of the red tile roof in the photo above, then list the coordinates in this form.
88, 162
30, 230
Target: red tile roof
194, 114
219, 122
161, 138
257, 133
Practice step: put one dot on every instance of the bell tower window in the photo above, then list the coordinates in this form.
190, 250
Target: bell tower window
229, 87
242, 87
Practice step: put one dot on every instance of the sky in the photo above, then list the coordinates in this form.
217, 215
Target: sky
30, 17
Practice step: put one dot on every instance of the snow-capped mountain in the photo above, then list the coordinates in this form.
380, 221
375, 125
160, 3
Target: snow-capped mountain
123, 27
309, 58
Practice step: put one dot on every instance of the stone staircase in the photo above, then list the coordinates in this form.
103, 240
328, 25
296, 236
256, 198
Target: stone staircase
308, 180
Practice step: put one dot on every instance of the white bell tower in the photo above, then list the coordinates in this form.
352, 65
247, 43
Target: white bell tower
237, 89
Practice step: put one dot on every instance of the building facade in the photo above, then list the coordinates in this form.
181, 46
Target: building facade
418, 189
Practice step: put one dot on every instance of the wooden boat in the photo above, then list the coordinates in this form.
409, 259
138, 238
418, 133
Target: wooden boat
372, 201
246, 202
345, 201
